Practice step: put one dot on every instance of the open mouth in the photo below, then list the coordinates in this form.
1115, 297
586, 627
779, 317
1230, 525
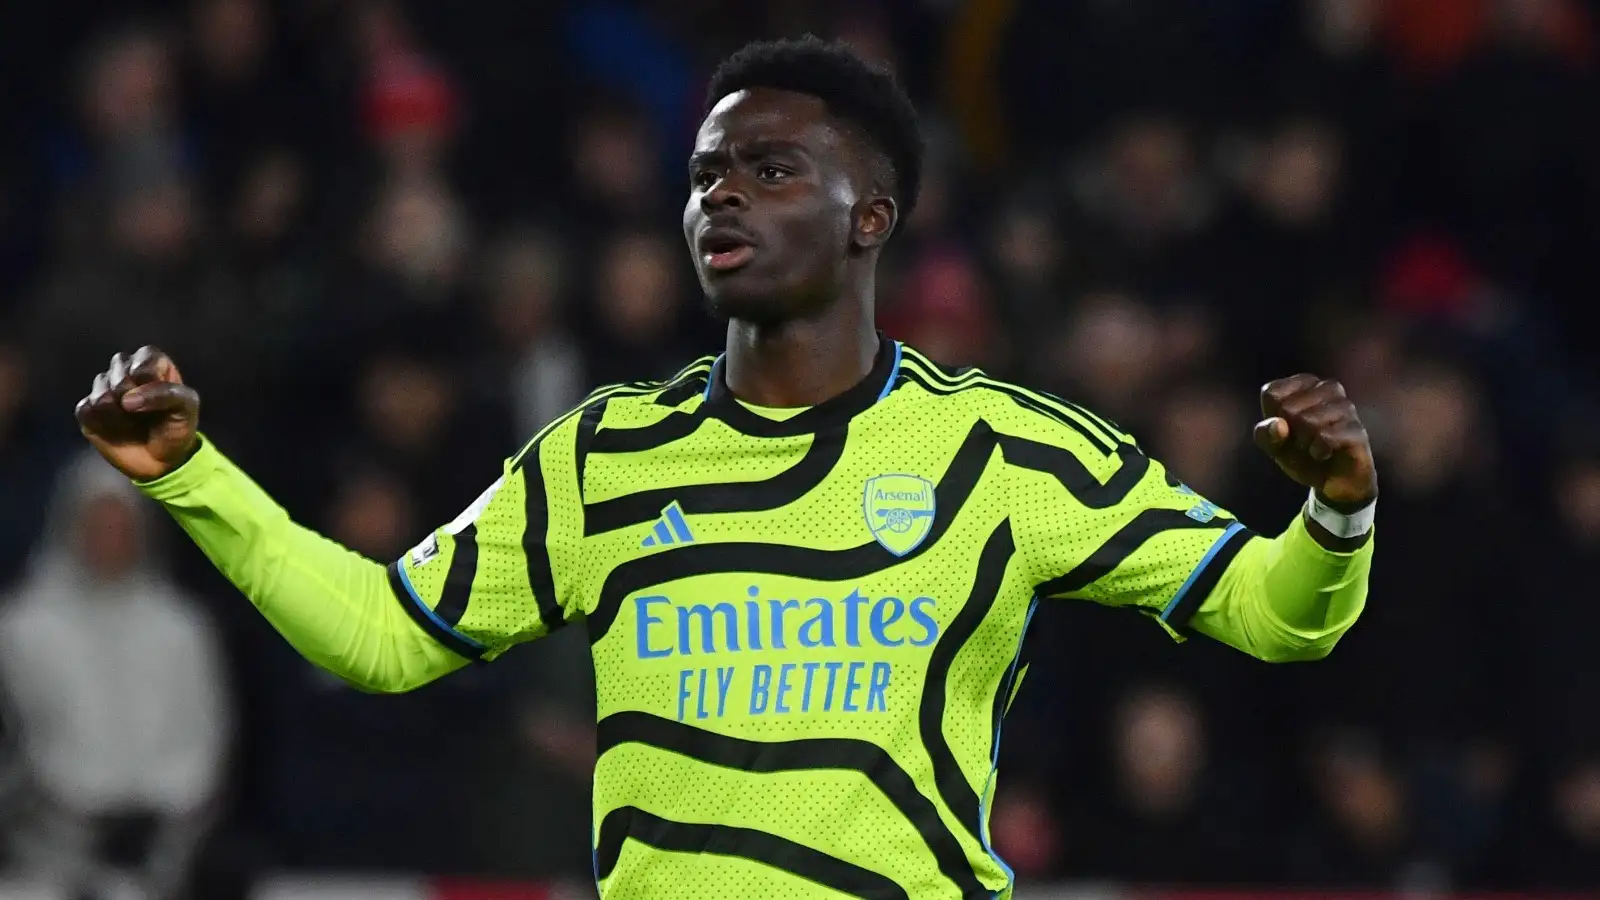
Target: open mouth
723, 253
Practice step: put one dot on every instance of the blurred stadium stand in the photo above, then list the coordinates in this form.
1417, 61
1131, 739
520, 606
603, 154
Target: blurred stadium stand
407, 234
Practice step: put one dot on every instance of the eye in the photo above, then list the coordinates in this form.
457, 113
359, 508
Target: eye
703, 179
770, 172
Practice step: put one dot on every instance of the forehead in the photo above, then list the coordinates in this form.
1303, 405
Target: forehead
768, 114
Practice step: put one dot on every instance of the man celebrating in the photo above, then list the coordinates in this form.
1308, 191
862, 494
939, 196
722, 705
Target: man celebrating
806, 566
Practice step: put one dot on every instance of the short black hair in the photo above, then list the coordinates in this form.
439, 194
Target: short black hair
861, 94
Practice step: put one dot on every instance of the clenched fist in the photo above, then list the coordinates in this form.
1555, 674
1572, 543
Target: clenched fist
1311, 430
141, 416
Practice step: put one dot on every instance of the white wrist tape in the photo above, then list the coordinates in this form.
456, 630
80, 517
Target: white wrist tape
1342, 525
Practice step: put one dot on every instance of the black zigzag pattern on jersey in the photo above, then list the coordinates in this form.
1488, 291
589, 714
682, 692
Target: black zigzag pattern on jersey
687, 383
802, 755
1115, 431
694, 370
952, 783
1065, 467
782, 489
921, 371
694, 373
750, 424
1060, 463
677, 395
458, 581
588, 424
1012, 682
541, 579
1206, 579
1002, 698
686, 561
1129, 538
672, 427
631, 822
959, 479
812, 470
536, 527
597, 396
412, 606
1049, 404
679, 425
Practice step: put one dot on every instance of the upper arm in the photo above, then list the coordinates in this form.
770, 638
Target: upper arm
1098, 519
490, 578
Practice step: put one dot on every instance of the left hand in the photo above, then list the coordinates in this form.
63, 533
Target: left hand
1311, 430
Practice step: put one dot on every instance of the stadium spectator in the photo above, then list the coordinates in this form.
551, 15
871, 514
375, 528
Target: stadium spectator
1031, 262
544, 763
276, 258
415, 412
1285, 244
1027, 829
526, 317
239, 94
122, 699
406, 278
447, 222
409, 106
637, 308
1106, 352
25, 462
945, 309
617, 178
1142, 206
1164, 783
1197, 435
1364, 833
1558, 846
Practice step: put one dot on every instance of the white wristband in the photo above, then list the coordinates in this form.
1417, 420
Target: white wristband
1341, 525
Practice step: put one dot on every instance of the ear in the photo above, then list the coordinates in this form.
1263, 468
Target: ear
876, 219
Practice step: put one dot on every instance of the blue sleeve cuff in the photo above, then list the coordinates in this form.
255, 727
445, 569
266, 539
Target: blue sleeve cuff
427, 619
1198, 586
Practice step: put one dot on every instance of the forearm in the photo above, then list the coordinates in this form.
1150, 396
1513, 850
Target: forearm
334, 606
1288, 598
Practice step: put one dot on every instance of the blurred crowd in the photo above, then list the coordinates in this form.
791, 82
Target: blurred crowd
389, 240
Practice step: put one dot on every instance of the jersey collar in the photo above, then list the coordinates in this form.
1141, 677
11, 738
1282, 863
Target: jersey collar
720, 402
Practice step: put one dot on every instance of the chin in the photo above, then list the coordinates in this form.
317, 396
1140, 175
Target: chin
762, 300
746, 302
746, 309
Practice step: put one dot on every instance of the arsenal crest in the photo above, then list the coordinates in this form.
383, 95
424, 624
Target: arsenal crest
899, 511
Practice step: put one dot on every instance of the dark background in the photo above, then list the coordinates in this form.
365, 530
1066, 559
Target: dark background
389, 240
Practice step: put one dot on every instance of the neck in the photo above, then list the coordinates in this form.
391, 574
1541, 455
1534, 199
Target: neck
801, 362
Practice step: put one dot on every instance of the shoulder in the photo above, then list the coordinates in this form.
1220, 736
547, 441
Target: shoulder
1014, 409
687, 382
633, 399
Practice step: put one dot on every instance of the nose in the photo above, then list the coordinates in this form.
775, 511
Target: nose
726, 194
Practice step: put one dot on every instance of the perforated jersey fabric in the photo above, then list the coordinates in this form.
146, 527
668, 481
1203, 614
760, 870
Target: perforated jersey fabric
806, 626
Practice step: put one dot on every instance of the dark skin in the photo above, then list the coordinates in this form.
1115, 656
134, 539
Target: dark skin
787, 213
772, 170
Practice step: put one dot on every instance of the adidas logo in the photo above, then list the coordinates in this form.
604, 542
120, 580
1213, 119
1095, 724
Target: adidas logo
670, 529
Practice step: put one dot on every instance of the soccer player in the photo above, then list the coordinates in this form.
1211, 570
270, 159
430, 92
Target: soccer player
806, 566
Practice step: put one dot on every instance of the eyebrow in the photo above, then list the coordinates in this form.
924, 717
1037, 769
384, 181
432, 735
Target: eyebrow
750, 150
703, 157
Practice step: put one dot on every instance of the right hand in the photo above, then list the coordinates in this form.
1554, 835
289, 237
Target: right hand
141, 416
